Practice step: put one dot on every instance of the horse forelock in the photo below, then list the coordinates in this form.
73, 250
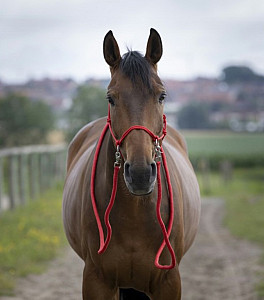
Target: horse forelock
136, 67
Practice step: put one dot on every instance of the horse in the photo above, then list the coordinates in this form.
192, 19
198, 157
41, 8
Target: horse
141, 164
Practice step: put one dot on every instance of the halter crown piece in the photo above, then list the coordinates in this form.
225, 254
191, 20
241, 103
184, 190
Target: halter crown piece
159, 157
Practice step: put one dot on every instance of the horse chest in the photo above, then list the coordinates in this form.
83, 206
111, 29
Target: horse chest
129, 258
128, 265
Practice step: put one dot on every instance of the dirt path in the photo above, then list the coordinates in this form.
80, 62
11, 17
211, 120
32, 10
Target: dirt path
218, 267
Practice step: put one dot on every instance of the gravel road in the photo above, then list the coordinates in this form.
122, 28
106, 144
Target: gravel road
217, 267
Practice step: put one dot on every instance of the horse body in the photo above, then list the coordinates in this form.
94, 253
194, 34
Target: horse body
128, 261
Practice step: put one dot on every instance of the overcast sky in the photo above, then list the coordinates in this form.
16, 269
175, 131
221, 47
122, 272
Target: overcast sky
63, 38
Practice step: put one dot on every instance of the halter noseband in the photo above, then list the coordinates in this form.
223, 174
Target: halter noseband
159, 156
137, 127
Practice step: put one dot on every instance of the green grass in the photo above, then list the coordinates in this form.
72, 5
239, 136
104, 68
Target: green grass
210, 142
244, 196
243, 149
30, 236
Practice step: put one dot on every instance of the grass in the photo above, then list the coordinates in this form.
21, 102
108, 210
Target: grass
243, 149
30, 236
244, 196
224, 142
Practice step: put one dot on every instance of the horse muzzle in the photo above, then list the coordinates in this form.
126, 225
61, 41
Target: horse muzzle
140, 180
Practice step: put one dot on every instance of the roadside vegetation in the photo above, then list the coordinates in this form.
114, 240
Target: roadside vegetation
30, 236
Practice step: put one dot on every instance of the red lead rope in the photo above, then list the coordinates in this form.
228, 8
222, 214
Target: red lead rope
166, 233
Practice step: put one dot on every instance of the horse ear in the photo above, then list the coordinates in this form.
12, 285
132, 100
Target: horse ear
111, 50
154, 47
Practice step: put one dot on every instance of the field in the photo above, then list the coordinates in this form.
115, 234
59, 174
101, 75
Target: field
242, 149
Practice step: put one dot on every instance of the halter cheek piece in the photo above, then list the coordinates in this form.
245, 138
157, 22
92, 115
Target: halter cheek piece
159, 157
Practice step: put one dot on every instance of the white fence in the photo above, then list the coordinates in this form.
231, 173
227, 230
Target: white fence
25, 172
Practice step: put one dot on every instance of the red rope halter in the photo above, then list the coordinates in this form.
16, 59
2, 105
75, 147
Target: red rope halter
159, 156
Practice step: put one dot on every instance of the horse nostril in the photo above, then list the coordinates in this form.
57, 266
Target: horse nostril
127, 172
153, 172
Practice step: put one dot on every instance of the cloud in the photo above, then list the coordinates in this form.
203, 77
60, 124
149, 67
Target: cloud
64, 37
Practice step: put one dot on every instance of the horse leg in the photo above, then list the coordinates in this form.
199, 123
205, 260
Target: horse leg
94, 288
170, 288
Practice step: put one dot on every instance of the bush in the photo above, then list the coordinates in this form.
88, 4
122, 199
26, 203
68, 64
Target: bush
23, 121
194, 116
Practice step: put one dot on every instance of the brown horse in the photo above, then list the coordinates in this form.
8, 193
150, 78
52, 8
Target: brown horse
136, 96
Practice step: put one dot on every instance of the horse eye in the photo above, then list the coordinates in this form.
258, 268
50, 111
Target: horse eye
162, 97
110, 100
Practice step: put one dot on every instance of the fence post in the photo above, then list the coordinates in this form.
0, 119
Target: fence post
22, 179
205, 173
226, 169
12, 181
33, 176
51, 170
53, 176
50, 175
42, 171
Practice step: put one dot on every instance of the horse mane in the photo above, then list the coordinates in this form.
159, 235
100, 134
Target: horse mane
136, 67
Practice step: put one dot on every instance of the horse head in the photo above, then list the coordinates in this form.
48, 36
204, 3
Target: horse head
136, 97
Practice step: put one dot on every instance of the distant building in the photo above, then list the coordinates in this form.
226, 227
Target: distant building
245, 100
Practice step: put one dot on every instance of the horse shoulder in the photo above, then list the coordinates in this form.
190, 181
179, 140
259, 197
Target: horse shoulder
178, 158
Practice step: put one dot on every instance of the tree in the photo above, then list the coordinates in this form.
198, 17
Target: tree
88, 105
23, 121
235, 74
194, 116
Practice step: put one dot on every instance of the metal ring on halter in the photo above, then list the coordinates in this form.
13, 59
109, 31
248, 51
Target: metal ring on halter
158, 156
117, 157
